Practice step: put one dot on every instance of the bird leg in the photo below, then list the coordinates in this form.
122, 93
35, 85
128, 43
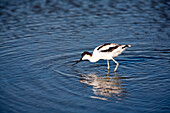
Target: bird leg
117, 64
108, 67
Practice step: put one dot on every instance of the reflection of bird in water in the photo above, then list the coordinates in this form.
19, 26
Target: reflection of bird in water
105, 86
106, 51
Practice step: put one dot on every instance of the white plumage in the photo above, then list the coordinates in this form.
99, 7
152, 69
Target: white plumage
106, 52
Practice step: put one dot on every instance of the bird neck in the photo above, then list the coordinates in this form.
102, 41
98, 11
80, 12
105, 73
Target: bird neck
92, 59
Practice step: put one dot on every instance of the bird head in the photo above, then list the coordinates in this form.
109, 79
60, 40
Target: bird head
84, 56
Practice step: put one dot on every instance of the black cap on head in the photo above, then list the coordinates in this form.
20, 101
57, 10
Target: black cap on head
85, 53
82, 55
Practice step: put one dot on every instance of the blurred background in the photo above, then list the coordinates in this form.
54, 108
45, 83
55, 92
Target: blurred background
41, 39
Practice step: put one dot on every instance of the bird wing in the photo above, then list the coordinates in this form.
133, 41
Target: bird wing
104, 48
107, 47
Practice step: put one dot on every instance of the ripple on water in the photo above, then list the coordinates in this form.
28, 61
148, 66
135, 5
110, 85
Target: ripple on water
37, 50
90, 75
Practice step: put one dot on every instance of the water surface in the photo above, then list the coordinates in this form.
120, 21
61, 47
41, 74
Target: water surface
41, 39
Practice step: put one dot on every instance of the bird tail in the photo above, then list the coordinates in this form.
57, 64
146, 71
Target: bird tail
126, 46
129, 45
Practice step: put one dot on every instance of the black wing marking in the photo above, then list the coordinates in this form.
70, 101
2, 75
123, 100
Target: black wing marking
103, 45
125, 46
110, 49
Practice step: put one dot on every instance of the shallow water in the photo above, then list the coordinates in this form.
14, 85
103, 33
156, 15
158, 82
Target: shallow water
40, 40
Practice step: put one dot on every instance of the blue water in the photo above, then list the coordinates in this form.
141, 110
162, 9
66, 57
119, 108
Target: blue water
41, 39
